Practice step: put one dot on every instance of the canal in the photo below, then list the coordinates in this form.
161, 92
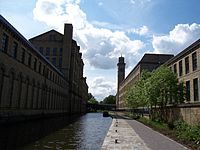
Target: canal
83, 133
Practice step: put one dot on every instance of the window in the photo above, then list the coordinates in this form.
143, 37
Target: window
47, 51
35, 64
39, 69
194, 61
50, 74
188, 90
41, 50
175, 68
61, 51
187, 65
60, 62
23, 55
195, 87
5, 42
180, 68
14, 50
54, 51
29, 60
54, 61
43, 70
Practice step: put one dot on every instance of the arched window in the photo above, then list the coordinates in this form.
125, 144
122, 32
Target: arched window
32, 95
43, 96
1, 82
11, 87
26, 94
37, 96
19, 90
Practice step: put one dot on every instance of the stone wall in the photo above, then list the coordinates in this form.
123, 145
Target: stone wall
189, 113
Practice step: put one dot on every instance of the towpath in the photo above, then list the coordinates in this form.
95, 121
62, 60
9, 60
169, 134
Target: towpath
125, 134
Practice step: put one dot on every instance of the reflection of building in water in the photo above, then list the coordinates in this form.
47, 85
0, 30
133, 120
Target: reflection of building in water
148, 62
43, 75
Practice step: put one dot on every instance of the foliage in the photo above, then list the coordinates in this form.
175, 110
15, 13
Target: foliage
91, 99
154, 124
188, 132
90, 96
136, 94
156, 89
162, 87
109, 100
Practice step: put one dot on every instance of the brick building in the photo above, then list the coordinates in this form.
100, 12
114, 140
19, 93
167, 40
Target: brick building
32, 83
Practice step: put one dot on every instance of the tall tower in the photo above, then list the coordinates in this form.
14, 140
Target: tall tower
121, 75
121, 70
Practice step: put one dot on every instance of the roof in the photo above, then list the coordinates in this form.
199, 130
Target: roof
45, 33
187, 50
27, 43
153, 59
156, 58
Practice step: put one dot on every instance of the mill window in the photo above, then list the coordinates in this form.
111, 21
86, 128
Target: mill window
5, 39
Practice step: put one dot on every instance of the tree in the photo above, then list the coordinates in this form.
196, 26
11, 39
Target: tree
157, 90
91, 99
109, 100
90, 96
136, 95
162, 89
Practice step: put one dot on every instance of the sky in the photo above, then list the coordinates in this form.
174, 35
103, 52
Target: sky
107, 29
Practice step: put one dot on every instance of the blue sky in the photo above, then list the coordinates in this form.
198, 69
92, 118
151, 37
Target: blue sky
105, 29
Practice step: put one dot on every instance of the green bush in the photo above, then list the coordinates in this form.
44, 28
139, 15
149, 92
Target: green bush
188, 132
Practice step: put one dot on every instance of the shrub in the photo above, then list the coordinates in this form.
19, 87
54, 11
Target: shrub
188, 132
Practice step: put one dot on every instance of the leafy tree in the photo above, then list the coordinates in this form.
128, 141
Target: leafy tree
90, 96
136, 94
156, 89
109, 100
91, 99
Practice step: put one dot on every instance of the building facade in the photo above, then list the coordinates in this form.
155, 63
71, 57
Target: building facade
64, 53
148, 62
187, 67
32, 83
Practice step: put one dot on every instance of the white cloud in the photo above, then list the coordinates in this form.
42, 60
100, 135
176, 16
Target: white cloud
101, 87
142, 2
177, 39
140, 31
100, 46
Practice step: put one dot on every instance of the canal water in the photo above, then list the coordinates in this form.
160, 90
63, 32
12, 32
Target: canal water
86, 133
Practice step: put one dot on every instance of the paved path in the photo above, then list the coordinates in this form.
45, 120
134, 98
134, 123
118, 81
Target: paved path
153, 139
133, 135
126, 137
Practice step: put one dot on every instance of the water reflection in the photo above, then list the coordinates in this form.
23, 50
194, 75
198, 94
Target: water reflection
87, 132
14, 136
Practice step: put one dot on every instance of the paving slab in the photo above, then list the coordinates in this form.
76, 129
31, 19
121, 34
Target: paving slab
122, 136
